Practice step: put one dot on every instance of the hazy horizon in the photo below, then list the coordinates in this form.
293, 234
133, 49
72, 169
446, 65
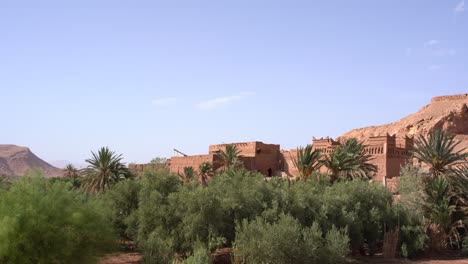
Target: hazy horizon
144, 78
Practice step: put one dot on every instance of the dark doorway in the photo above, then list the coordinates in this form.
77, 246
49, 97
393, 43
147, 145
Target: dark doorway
270, 172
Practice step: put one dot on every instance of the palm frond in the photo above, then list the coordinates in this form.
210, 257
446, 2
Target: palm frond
438, 152
307, 161
105, 169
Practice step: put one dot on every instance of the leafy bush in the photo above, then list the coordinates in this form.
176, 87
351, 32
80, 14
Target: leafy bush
201, 255
465, 247
409, 185
200, 216
157, 223
4, 183
72, 182
361, 206
409, 211
46, 222
122, 200
288, 242
173, 217
242, 195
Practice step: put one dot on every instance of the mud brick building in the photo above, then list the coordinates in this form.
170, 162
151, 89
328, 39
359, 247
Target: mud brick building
388, 153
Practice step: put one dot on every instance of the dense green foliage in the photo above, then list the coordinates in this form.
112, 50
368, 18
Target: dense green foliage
438, 198
201, 255
413, 235
122, 202
173, 217
182, 218
48, 222
288, 242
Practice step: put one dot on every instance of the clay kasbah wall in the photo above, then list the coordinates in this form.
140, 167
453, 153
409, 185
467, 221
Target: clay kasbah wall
388, 153
177, 164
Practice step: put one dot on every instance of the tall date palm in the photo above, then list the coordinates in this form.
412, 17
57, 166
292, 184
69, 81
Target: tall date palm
188, 175
307, 161
349, 161
205, 169
230, 156
104, 170
70, 171
438, 152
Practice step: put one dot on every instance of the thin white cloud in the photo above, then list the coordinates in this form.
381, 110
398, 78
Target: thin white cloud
431, 42
409, 51
221, 101
435, 67
446, 53
164, 101
460, 7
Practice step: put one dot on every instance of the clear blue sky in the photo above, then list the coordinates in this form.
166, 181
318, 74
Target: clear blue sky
146, 77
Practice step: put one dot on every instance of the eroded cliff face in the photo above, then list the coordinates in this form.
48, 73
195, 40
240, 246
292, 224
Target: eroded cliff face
449, 113
16, 161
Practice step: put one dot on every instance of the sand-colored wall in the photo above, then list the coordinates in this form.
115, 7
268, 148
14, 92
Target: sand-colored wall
177, 164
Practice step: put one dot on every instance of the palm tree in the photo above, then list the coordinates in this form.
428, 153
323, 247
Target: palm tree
307, 161
105, 169
229, 156
458, 182
349, 161
337, 163
205, 170
438, 152
362, 167
459, 186
70, 171
439, 212
188, 175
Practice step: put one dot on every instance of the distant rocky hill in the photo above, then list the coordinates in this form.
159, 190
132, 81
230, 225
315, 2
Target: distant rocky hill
449, 113
16, 161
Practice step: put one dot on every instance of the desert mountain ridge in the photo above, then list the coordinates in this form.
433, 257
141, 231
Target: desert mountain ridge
17, 161
449, 113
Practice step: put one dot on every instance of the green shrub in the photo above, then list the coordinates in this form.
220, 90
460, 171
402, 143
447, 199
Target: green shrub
200, 216
177, 216
409, 211
157, 224
286, 241
242, 195
157, 249
73, 182
360, 206
122, 200
45, 222
465, 247
409, 186
4, 182
201, 255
